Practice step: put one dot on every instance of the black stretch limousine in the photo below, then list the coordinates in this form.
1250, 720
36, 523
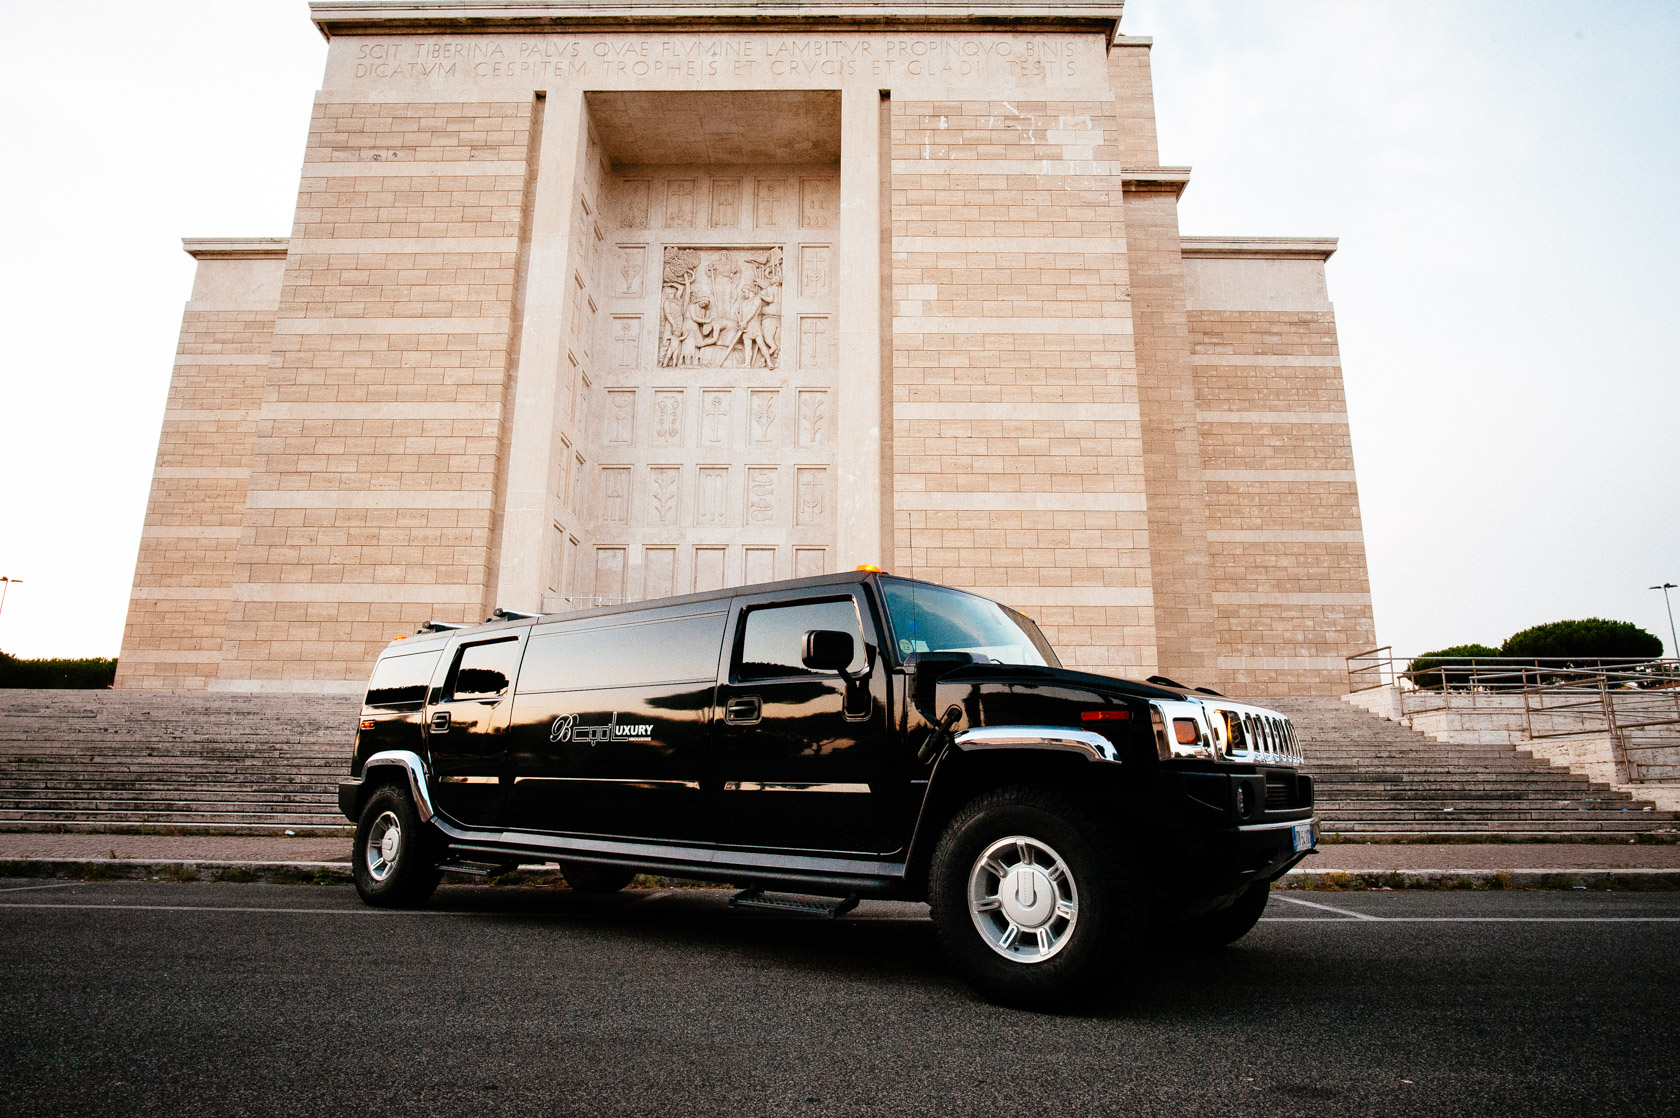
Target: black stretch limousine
842, 736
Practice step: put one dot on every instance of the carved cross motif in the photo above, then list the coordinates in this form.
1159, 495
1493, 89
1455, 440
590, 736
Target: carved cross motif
679, 204
810, 510
813, 270
715, 418
813, 343
626, 341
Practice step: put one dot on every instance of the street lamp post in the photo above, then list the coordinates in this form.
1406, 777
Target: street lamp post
5, 585
1674, 645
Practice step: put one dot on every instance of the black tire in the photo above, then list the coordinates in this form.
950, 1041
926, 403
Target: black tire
1109, 911
406, 876
1227, 925
588, 877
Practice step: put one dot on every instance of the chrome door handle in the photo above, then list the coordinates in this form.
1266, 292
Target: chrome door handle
743, 711
440, 722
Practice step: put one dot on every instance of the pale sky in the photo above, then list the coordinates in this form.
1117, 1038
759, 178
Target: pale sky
1503, 178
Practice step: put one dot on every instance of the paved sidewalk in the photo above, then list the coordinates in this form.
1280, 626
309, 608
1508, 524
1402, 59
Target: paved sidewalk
172, 848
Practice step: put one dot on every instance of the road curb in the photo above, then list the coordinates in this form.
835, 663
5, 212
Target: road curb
1629, 880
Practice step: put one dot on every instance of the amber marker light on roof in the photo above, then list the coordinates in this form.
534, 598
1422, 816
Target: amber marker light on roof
870, 567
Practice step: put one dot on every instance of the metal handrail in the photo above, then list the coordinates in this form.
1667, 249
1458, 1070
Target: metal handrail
1563, 696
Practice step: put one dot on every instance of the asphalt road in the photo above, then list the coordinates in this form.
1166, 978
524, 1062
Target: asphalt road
143, 998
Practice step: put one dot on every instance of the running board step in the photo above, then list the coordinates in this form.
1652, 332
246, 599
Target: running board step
476, 869
783, 902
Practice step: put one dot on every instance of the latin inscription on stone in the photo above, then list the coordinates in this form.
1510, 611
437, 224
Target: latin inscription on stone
721, 307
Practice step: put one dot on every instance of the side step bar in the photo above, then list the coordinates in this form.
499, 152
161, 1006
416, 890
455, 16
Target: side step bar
783, 902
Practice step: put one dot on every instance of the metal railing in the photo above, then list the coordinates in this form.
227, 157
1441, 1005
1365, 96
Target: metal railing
1561, 696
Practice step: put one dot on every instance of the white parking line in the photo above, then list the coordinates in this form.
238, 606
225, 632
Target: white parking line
1477, 920
26, 888
1327, 908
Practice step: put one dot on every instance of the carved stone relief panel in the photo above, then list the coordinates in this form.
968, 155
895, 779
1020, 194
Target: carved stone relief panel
761, 496
816, 204
615, 495
810, 497
667, 417
609, 574
760, 564
720, 307
816, 263
575, 501
620, 427
626, 340
664, 482
679, 204
563, 470
714, 416
659, 567
770, 203
708, 568
762, 414
813, 417
633, 204
629, 269
809, 561
816, 342
726, 203
714, 496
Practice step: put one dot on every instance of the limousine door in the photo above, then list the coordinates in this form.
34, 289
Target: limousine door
612, 725
803, 759
466, 729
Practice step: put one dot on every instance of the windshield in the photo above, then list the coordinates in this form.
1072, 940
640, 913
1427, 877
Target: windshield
933, 619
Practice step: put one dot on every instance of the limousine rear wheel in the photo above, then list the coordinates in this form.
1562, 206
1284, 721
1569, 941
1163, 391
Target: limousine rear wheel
395, 858
1032, 895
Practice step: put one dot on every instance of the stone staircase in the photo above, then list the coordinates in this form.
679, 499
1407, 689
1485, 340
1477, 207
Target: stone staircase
160, 760
1377, 779
252, 764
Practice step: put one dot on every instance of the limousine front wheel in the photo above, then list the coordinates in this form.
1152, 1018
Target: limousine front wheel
1033, 898
394, 860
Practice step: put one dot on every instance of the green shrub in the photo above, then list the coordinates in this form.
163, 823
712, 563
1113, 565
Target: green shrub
93, 672
1585, 643
1448, 669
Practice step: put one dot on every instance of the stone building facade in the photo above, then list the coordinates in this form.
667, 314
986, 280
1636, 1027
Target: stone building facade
589, 302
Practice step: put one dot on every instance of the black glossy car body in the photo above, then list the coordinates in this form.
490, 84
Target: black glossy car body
684, 736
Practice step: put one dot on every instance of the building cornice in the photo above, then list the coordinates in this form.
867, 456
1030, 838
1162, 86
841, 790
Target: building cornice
236, 248
411, 17
1155, 180
1259, 248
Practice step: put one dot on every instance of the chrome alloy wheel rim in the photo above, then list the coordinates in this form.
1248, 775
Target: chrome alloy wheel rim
1022, 899
384, 844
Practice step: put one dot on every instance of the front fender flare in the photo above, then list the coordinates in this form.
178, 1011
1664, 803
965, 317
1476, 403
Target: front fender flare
410, 763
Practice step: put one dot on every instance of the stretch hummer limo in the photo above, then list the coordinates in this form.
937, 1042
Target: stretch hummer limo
851, 735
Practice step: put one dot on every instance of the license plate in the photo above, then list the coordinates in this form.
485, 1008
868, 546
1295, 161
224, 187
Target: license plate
1302, 835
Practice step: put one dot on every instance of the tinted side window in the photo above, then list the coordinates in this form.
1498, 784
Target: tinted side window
636, 654
773, 640
485, 671
400, 681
